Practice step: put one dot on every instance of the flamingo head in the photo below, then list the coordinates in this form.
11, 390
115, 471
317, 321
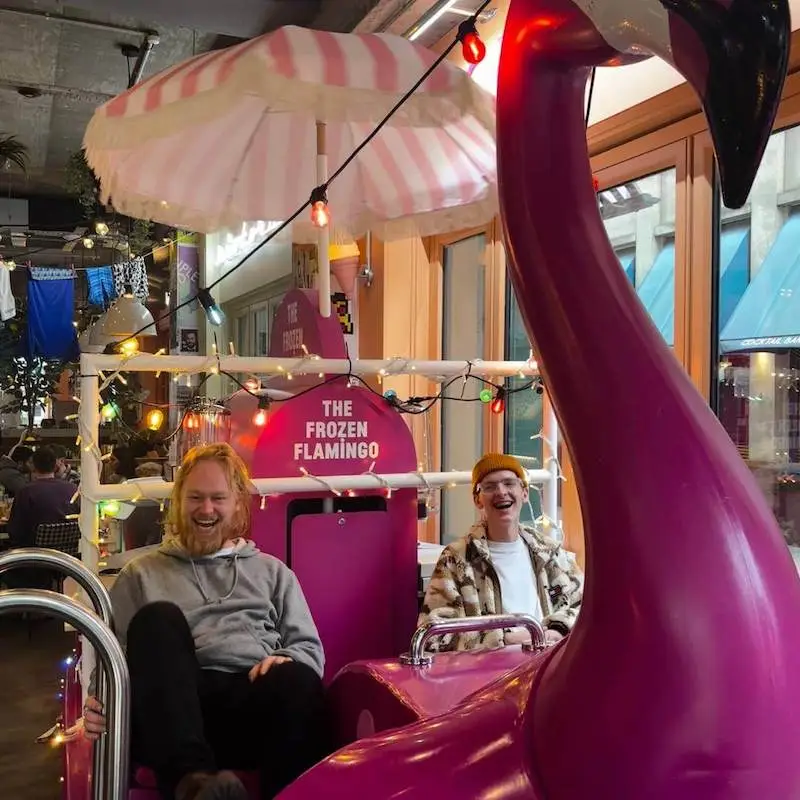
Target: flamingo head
734, 53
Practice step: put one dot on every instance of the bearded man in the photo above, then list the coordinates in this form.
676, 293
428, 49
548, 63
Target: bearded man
224, 657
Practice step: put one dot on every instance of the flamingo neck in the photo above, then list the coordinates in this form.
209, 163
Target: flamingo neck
691, 597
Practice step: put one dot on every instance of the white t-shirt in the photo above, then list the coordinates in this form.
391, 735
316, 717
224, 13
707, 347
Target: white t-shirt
514, 569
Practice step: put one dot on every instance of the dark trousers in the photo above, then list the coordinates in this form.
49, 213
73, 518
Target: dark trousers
187, 719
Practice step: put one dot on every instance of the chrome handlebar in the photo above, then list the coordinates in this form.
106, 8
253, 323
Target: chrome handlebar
93, 586
115, 774
70, 566
416, 657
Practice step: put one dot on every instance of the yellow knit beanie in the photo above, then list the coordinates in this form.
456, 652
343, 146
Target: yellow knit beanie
492, 462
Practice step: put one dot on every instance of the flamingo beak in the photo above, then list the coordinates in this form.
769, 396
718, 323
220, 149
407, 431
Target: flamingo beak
736, 56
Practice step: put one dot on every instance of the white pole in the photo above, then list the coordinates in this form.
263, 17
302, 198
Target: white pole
550, 455
309, 365
89, 429
157, 489
323, 237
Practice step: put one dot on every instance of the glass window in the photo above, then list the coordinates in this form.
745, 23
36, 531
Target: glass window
758, 310
523, 418
463, 338
639, 217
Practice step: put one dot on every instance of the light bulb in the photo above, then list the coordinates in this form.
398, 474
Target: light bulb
100, 228
88, 242
472, 48
109, 411
260, 417
499, 403
485, 396
129, 347
155, 418
215, 315
320, 214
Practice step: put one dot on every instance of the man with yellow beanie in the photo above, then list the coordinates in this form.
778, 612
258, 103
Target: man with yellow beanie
503, 567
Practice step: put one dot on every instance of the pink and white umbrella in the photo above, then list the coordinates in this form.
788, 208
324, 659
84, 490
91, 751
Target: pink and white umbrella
246, 133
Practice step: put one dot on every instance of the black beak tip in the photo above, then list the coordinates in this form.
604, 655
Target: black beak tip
747, 51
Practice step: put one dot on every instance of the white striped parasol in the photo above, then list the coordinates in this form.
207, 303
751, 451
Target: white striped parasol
231, 136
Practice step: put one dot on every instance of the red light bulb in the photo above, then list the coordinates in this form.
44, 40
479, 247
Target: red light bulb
472, 48
596, 184
260, 418
320, 214
498, 405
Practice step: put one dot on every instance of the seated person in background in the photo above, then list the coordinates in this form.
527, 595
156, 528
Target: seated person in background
63, 468
150, 469
501, 566
46, 499
224, 657
15, 469
121, 465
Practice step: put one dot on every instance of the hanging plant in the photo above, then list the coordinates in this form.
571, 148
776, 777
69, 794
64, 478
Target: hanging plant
79, 180
13, 152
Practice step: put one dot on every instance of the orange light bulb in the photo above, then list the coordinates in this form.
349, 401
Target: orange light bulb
320, 214
260, 418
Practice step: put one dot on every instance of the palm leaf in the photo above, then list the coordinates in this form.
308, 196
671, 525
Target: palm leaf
13, 151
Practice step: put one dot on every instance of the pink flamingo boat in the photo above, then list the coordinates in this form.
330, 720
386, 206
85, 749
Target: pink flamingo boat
680, 679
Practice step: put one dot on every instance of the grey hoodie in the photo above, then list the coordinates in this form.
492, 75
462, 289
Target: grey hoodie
241, 606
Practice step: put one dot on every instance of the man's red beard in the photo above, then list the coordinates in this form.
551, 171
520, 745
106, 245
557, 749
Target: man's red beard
198, 543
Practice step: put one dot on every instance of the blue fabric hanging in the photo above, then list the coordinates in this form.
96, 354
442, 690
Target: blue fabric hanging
51, 305
101, 286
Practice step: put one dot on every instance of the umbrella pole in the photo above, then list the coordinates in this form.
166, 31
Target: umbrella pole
323, 241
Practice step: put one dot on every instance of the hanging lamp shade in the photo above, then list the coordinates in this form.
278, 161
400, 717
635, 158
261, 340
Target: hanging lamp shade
127, 317
93, 340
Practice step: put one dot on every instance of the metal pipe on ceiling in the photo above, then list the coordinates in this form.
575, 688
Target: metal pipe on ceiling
84, 23
146, 47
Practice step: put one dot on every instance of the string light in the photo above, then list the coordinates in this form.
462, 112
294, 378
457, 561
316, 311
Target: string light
485, 396
155, 419
320, 213
499, 403
215, 314
129, 347
260, 417
109, 411
472, 47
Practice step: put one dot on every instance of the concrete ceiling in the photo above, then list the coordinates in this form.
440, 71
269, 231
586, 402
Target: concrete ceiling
68, 68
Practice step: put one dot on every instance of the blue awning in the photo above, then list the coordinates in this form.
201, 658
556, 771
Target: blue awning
628, 264
734, 264
767, 316
657, 292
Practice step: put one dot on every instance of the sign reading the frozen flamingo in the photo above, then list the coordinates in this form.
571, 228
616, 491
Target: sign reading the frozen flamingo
335, 435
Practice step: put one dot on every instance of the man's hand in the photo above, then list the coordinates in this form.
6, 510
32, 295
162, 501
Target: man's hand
94, 721
552, 637
263, 667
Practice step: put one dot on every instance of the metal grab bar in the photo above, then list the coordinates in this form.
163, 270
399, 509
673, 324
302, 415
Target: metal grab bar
416, 657
114, 783
93, 586
67, 564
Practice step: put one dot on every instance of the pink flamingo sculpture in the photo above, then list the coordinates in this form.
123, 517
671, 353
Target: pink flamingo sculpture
682, 676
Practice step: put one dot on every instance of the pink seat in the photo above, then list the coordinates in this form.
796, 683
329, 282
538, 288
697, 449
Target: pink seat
368, 697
